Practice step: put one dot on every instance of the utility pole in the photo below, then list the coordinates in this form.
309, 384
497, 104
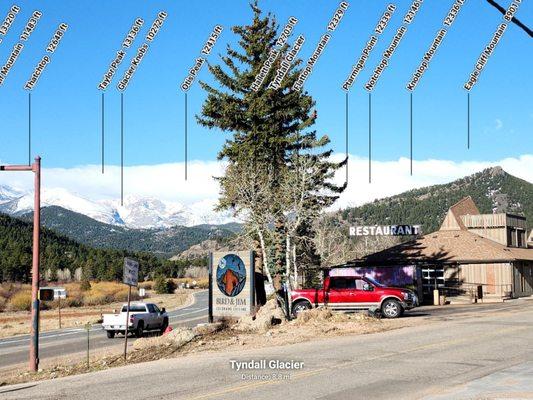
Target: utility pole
34, 341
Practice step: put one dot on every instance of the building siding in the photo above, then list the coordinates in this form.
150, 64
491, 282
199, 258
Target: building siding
496, 278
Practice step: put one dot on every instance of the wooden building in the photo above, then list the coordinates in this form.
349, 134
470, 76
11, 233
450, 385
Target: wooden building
469, 250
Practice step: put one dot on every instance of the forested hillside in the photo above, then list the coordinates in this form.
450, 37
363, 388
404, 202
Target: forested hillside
61, 253
162, 242
492, 190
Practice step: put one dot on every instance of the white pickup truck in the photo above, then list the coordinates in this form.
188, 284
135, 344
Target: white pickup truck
143, 317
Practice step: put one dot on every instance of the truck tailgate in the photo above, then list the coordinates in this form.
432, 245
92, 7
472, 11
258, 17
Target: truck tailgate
114, 320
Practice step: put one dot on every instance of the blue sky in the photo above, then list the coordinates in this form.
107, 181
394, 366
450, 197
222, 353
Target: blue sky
66, 102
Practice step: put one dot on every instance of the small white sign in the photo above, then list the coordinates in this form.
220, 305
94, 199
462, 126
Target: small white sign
142, 292
59, 292
131, 272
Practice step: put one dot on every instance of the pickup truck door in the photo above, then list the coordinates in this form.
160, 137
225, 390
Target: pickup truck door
158, 318
151, 318
366, 298
341, 293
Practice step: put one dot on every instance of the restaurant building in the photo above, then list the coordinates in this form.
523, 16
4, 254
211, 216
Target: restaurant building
470, 250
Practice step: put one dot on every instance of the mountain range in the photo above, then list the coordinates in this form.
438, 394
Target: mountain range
149, 225
493, 190
135, 213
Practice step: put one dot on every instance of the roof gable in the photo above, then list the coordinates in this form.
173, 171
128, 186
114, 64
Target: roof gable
453, 220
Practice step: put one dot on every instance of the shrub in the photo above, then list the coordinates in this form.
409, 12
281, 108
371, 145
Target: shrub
164, 286
20, 301
76, 301
95, 299
148, 285
202, 283
171, 286
85, 285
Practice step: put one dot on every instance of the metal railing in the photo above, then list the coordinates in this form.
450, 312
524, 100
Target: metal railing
471, 289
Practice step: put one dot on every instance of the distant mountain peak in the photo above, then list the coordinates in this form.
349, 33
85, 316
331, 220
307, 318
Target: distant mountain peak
496, 171
137, 212
492, 190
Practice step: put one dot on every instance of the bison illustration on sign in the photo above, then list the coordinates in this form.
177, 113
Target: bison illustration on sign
231, 275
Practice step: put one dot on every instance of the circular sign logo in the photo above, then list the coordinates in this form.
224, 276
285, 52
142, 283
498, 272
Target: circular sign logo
231, 275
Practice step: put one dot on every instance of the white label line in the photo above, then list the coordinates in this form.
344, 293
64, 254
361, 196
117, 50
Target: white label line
192, 312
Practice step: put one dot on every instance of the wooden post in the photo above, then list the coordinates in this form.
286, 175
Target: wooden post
127, 324
88, 327
210, 300
59, 309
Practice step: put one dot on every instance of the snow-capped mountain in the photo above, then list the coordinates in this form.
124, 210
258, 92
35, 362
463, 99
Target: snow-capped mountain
8, 194
135, 213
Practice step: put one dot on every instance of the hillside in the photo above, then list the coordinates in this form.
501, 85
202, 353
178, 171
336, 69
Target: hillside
61, 253
493, 190
164, 242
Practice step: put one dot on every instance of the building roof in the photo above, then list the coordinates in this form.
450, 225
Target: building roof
453, 220
447, 247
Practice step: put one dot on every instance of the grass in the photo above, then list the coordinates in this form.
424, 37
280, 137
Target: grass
201, 283
17, 297
18, 322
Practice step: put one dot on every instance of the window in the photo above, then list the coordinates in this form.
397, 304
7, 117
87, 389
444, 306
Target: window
342, 283
359, 284
520, 236
134, 308
151, 308
156, 309
509, 237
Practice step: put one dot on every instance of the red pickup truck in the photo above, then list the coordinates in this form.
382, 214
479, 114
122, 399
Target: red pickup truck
355, 293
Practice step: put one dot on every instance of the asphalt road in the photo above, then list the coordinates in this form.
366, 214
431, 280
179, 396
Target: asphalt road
466, 355
66, 342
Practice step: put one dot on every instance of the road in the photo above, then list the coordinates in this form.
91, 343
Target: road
467, 355
66, 342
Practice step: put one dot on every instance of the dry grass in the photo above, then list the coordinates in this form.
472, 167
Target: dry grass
17, 297
18, 322
201, 283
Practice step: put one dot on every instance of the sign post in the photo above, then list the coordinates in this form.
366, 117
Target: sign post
131, 277
210, 312
53, 293
88, 329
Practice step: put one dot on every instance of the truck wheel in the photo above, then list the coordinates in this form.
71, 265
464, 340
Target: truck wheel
110, 334
299, 307
164, 326
391, 308
140, 329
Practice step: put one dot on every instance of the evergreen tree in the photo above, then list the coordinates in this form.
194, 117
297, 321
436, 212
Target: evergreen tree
270, 131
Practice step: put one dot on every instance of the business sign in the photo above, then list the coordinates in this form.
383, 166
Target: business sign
131, 272
385, 230
231, 284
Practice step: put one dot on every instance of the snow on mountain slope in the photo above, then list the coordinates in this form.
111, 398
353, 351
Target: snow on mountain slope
136, 212
63, 198
8, 194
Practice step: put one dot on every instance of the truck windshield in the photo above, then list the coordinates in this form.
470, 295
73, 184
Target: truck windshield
134, 308
374, 282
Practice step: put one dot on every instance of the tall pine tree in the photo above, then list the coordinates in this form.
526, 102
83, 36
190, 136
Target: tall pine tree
270, 135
